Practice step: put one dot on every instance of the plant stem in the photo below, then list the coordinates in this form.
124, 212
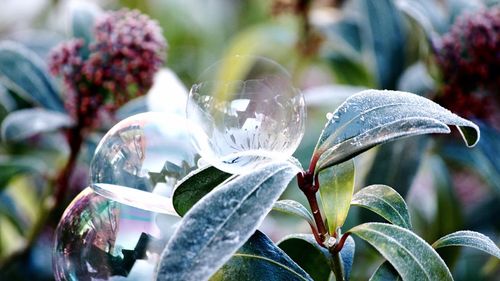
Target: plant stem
306, 182
337, 267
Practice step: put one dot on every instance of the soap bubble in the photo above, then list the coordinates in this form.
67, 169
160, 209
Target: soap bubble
147, 152
101, 239
247, 112
117, 228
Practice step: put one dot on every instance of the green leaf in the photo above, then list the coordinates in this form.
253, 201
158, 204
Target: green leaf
470, 239
409, 254
385, 272
196, 185
337, 186
220, 223
373, 117
384, 201
310, 256
293, 207
315, 259
25, 123
260, 259
385, 34
26, 74
82, 23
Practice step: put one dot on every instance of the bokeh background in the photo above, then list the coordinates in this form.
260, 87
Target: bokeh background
445, 50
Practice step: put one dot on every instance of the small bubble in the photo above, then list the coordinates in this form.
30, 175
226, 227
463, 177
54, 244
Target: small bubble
329, 115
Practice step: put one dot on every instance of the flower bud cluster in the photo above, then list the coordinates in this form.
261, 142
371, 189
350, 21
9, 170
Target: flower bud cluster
128, 49
469, 59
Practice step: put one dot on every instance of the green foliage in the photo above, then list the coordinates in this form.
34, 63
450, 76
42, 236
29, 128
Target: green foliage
469, 239
374, 117
292, 207
260, 259
385, 272
409, 254
23, 72
196, 185
23, 124
337, 186
384, 201
225, 218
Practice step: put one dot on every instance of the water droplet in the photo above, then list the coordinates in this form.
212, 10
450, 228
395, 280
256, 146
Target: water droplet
329, 115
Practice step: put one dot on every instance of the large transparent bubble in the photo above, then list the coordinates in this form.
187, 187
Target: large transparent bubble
246, 112
116, 229
101, 239
147, 152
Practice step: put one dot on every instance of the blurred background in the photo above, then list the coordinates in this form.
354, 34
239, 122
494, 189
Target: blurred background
445, 50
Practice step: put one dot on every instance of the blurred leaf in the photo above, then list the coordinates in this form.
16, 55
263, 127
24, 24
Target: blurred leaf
409, 254
196, 185
25, 123
373, 117
385, 272
82, 24
310, 256
386, 35
483, 159
337, 186
260, 259
220, 223
428, 13
135, 106
384, 201
470, 239
25, 73
396, 164
349, 71
293, 207
416, 79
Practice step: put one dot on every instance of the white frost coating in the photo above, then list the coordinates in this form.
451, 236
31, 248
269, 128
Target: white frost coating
370, 109
213, 230
469, 239
167, 94
410, 255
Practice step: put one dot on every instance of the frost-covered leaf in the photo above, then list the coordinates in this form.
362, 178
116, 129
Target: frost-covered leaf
384, 201
337, 186
26, 74
196, 185
385, 272
25, 123
373, 117
260, 259
313, 258
409, 254
470, 239
220, 223
294, 208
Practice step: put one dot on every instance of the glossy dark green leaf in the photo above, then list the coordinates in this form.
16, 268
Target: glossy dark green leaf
260, 259
25, 123
385, 34
385, 272
26, 74
221, 222
384, 201
313, 258
293, 207
337, 186
409, 254
470, 239
196, 185
306, 252
373, 117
